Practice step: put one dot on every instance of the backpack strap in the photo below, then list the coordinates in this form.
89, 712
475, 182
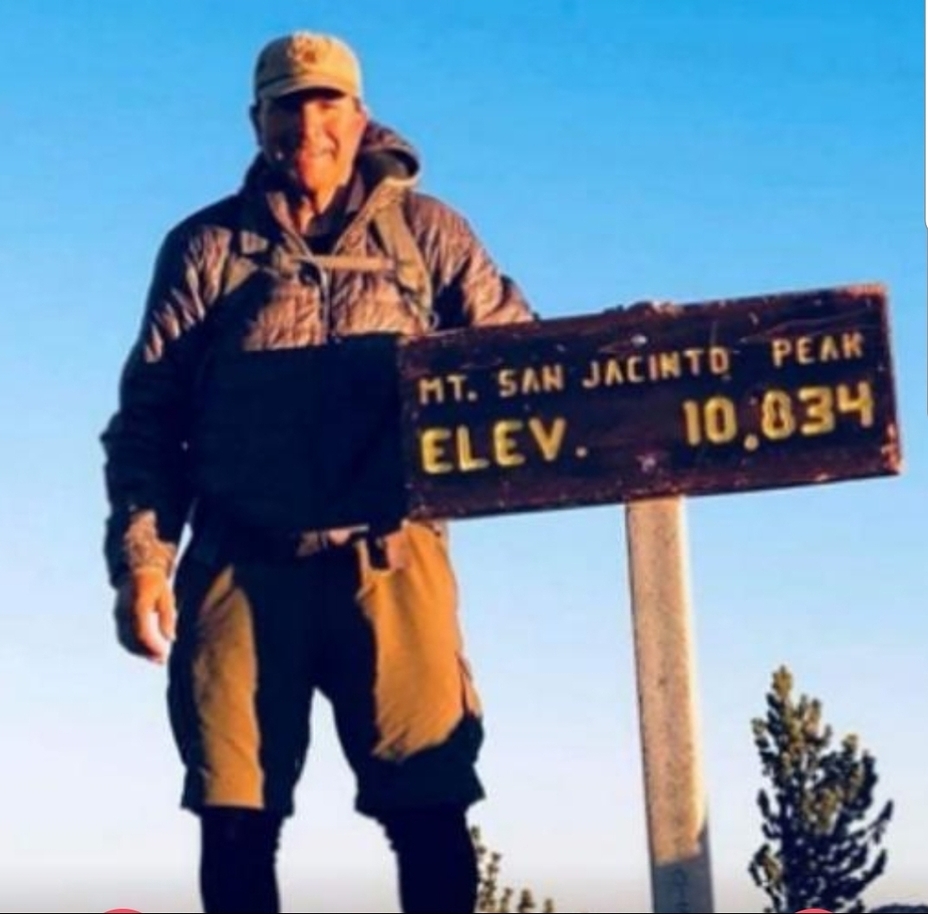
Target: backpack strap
410, 269
402, 258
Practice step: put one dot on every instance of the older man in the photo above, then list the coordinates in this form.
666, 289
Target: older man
320, 242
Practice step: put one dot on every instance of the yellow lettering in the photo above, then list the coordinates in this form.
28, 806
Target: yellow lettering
552, 377
852, 344
820, 416
692, 417
445, 450
506, 382
777, 419
431, 387
716, 419
670, 365
593, 378
549, 440
693, 357
434, 389
719, 360
804, 353
467, 462
780, 348
512, 381
505, 448
531, 382
457, 382
859, 401
808, 350
613, 373
828, 350
432, 444
648, 367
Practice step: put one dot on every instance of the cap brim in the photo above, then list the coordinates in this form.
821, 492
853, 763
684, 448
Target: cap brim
283, 87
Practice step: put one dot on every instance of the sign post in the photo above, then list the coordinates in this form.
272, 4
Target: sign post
675, 800
644, 409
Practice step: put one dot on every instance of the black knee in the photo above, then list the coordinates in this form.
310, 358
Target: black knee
437, 860
238, 860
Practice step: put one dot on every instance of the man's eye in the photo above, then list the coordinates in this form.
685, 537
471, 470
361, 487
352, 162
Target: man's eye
286, 106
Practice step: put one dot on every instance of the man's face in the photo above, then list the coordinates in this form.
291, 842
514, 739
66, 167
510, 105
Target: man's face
312, 136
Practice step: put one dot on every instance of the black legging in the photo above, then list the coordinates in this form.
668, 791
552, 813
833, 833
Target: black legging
238, 855
435, 856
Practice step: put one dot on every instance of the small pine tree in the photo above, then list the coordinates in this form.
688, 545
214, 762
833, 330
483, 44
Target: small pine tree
818, 849
493, 898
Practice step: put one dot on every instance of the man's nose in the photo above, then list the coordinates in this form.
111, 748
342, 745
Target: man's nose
309, 118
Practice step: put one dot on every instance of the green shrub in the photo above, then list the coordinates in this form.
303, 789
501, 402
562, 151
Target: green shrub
818, 852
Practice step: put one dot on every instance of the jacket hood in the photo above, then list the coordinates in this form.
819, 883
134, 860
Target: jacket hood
384, 153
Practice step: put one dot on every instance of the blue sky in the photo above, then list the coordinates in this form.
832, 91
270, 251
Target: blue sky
606, 152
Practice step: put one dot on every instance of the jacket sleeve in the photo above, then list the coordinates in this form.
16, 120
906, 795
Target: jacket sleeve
145, 440
469, 288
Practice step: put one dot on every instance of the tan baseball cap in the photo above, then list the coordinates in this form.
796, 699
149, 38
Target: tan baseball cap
306, 60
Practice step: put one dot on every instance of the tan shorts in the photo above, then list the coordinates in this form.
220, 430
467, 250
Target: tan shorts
257, 640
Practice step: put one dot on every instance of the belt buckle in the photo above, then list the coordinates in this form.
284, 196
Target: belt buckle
311, 542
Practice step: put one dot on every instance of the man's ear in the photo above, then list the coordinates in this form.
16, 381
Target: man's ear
255, 122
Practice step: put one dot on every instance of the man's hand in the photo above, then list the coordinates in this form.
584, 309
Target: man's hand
145, 614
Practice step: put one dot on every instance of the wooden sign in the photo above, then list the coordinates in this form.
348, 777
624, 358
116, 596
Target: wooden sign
712, 397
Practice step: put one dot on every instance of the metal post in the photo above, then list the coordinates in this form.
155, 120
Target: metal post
678, 834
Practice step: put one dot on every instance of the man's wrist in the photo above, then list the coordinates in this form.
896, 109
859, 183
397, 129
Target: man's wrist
128, 574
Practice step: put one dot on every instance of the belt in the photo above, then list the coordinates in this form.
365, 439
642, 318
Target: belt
216, 533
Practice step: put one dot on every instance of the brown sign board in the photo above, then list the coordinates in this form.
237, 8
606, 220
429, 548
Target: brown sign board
710, 398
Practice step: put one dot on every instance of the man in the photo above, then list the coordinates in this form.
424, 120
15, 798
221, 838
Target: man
296, 258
